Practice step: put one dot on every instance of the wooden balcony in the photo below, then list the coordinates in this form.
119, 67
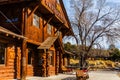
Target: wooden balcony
55, 8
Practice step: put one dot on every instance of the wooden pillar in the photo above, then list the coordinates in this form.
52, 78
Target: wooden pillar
61, 61
57, 62
44, 64
47, 63
24, 45
24, 65
18, 62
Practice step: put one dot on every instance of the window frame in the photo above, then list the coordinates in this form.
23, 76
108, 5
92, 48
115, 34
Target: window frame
5, 53
51, 57
36, 21
49, 29
28, 57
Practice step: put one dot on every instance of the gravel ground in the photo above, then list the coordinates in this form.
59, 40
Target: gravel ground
57, 77
103, 75
94, 75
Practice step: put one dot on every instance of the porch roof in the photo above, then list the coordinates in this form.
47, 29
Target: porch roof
69, 53
6, 31
47, 43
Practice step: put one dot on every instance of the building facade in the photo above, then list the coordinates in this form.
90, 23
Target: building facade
31, 33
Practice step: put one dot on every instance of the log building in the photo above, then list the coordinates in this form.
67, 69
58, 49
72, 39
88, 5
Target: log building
31, 33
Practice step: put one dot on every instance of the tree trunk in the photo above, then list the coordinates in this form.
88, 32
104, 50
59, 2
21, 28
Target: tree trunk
81, 62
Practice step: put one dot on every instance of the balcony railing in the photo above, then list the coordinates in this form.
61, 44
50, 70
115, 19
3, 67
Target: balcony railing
55, 8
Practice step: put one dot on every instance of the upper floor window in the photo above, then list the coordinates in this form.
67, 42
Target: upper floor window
29, 56
49, 29
36, 20
2, 53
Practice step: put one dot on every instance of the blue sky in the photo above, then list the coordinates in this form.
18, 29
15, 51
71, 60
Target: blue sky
112, 3
117, 1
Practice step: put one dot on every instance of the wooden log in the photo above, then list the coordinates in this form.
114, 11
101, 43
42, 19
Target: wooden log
7, 34
24, 45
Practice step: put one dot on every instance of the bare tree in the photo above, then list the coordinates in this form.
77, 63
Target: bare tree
94, 22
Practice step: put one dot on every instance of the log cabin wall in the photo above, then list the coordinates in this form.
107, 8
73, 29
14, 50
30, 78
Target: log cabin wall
38, 29
35, 27
32, 60
10, 54
51, 59
10, 20
39, 33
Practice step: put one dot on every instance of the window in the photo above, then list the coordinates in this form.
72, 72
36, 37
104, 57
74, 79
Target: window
2, 53
49, 29
29, 56
51, 57
36, 20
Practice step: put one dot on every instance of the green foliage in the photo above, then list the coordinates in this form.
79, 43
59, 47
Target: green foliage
115, 54
112, 46
69, 47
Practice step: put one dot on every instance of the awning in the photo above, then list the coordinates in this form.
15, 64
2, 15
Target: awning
69, 53
6, 31
47, 43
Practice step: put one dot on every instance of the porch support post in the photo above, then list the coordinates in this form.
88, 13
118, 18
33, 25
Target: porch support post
24, 65
24, 45
44, 64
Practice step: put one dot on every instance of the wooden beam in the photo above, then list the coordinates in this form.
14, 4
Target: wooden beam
49, 20
7, 34
36, 7
13, 36
18, 38
59, 28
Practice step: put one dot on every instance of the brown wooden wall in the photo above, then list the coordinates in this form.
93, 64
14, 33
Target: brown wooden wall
8, 70
51, 68
11, 68
38, 34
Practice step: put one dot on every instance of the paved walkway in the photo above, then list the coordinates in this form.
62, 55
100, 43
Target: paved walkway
57, 77
93, 75
103, 75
